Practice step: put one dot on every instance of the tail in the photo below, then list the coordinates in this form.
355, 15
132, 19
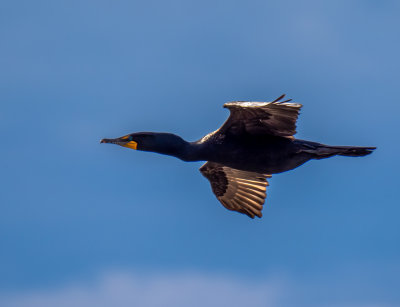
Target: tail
322, 151
350, 151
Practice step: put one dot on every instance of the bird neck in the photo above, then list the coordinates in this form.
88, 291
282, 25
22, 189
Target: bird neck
173, 145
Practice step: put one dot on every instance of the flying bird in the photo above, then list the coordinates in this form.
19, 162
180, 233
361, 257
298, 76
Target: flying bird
255, 142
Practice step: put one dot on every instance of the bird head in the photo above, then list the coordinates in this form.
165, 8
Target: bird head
137, 141
165, 143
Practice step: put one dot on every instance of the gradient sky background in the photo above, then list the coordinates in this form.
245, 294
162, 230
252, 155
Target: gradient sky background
84, 224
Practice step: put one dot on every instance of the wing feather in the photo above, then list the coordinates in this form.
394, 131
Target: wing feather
237, 190
275, 118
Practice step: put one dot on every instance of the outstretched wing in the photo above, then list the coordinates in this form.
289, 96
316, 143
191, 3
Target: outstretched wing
275, 118
237, 190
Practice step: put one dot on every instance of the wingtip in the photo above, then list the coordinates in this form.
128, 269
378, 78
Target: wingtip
253, 214
279, 98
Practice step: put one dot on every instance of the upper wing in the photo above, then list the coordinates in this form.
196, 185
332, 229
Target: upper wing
275, 118
237, 190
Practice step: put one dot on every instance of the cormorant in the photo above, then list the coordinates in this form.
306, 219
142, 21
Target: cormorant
254, 142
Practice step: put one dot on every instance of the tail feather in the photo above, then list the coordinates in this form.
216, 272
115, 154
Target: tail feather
325, 151
353, 151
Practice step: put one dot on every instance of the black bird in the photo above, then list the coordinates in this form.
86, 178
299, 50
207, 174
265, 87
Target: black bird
255, 142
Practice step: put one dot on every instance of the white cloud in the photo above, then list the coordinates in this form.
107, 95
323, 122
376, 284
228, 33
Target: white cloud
122, 289
183, 290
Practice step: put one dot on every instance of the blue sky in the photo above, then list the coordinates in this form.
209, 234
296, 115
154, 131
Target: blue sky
83, 223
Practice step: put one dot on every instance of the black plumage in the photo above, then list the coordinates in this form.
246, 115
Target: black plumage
254, 142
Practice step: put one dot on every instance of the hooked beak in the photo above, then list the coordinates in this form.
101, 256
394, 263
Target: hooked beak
122, 141
117, 141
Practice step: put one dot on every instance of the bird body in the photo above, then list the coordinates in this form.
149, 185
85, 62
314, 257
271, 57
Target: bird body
255, 142
256, 153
